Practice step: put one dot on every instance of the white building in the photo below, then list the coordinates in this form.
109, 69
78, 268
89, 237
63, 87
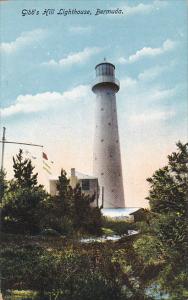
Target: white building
88, 184
107, 157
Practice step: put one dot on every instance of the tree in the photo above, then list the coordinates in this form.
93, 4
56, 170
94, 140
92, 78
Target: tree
168, 199
23, 210
169, 185
64, 194
24, 200
60, 207
165, 234
86, 217
3, 184
23, 171
71, 209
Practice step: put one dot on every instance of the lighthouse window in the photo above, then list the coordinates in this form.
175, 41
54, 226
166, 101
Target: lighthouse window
102, 108
103, 69
85, 184
116, 141
102, 173
107, 70
109, 124
100, 70
111, 70
102, 140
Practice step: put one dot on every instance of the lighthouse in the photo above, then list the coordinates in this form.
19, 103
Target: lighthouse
107, 157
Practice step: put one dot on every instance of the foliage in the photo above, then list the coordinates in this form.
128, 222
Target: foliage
169, 201
71, 210
164, 234
88, 272
22, 210
20, 295
57, 268
119, 227
27, 208
3, 184
152, 249
23, 171
64, 194
85, 217
23, 203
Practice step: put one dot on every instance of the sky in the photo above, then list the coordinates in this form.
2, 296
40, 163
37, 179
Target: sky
47, 68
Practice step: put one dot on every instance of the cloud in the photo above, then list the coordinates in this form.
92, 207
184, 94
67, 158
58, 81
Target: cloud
74, 58
43, 101
168, 45
160, 94
80, 29
145, 95
24, 40
151, 116
152, 73
128, 82
141, 87
143, 8
144, 103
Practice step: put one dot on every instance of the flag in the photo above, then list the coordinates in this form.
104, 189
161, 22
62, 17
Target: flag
47, 170
46, 165
44, 155
28, 153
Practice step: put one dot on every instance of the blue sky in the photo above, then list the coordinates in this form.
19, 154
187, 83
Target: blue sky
47, 67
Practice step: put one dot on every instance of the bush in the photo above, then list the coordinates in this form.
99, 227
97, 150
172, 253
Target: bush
50, 232
118, 227
77, 272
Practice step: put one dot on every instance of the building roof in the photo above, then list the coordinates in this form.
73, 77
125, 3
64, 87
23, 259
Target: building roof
104, 63
84, 176
79, 175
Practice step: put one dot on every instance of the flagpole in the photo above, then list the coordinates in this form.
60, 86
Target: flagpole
9, 142
3, 148
18, 143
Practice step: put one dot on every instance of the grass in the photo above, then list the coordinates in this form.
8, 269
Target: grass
21, 295
21, 254
115, 227
58, 244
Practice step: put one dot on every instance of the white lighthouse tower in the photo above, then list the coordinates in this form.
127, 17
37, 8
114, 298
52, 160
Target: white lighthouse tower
107, 157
